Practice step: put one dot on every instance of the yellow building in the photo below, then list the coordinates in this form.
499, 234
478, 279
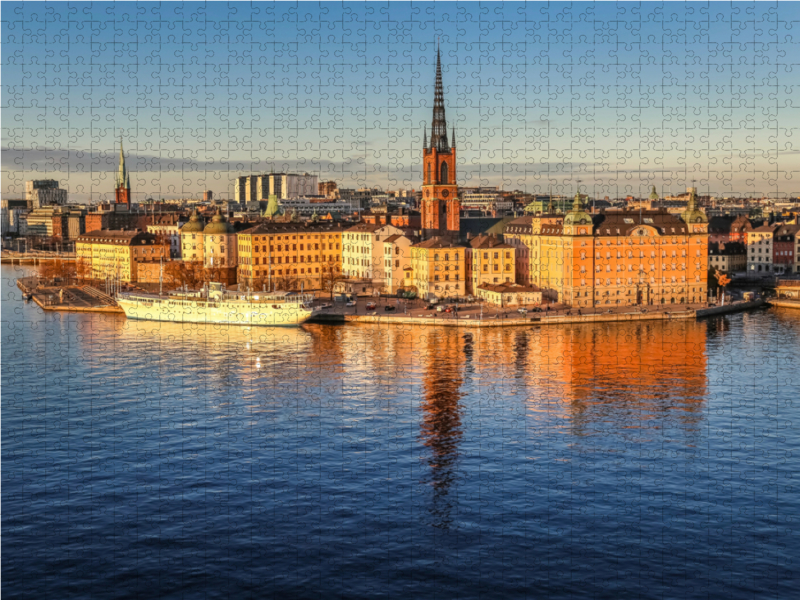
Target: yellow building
489, 261
616, 257
439, 268
290, 255
110, 253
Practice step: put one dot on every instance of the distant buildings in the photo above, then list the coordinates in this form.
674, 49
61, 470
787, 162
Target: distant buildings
44, 192
252, 188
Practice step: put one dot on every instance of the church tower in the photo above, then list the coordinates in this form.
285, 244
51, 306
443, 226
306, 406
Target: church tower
122, 191
441, 208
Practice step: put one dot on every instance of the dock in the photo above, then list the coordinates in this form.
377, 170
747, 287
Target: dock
67, 298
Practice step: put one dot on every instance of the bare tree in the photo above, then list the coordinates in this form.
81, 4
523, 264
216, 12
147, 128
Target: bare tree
330, 275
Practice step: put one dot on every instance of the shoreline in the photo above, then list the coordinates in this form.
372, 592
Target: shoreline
101, 305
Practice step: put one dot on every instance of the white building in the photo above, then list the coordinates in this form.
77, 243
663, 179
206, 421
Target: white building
486, 202
759, 250
44, 192
306, 206
363, 251
397, 271
252, 188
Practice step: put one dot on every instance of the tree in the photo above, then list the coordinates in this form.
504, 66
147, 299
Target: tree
287, 283
83, 269
189, 273
330, 275
722, 281
57, 269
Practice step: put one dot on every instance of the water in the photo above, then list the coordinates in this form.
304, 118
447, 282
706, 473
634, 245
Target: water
647, 460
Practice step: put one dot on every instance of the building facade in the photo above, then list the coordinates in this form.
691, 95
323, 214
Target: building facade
759, 250
44, 192
115, 254
616, 257
489, 261
439, 268
253, 188
290, 254
784, 254
397, 270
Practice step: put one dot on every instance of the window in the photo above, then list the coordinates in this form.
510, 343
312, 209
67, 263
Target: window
443, 178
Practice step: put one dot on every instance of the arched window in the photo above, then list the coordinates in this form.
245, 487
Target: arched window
443, 178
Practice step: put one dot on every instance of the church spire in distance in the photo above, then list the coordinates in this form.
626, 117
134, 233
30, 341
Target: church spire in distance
439, 129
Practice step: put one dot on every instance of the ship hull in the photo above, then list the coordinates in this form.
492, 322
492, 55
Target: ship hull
215, 313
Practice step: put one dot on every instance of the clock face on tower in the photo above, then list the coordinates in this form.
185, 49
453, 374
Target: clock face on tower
445, 193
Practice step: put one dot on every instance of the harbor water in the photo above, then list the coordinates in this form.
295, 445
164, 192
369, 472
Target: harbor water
613, 460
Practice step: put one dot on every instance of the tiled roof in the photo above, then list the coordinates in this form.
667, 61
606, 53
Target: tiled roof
504, 288
293, 227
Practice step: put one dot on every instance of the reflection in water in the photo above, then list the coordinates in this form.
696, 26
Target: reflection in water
441, 429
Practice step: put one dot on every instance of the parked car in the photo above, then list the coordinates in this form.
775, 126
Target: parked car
440, 308
388, 308
430, 307
351, 303
371, 306
522, 311
536, 309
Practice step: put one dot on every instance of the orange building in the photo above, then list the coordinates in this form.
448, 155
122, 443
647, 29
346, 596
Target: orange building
290, 255
617, 257
441, 208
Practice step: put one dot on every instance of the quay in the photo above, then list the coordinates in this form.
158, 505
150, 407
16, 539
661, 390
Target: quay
68, 298
52, 296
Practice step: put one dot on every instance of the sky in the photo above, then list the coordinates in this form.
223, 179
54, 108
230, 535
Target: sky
611, 97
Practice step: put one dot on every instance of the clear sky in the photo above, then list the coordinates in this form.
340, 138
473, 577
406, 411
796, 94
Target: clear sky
618, 95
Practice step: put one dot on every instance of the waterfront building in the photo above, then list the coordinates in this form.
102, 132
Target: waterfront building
44, 192
759, 250
441, 208
439, 268
784, 258
290, 255
489, 261
191, 234
122, 189
220, 249
509, 294
616, 257
397, 270
116, 253
363, 251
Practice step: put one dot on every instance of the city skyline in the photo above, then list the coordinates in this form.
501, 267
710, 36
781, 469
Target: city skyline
345, 93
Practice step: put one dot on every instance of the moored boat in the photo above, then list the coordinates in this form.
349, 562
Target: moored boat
214, 304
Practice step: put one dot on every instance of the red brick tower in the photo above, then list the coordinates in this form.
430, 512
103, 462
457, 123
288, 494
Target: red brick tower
122, 191
441, 208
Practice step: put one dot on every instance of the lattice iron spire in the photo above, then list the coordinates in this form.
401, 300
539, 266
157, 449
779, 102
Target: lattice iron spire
439, 129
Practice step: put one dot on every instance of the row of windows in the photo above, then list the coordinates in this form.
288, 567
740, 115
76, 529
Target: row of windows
280, 247
246, 260
279, 272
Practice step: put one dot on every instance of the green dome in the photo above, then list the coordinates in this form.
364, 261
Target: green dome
578, 214
218, 226
654, 194
195, 224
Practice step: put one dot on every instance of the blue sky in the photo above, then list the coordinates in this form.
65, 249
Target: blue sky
619, 96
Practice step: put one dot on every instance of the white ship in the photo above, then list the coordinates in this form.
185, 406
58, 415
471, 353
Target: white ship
214, 304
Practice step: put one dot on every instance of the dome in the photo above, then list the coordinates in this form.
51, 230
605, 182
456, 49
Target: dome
654, 194
218, 225
195, 224
578, 214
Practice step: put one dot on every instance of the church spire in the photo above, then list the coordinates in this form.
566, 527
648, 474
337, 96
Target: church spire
123, 179
425, 136
439, 129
